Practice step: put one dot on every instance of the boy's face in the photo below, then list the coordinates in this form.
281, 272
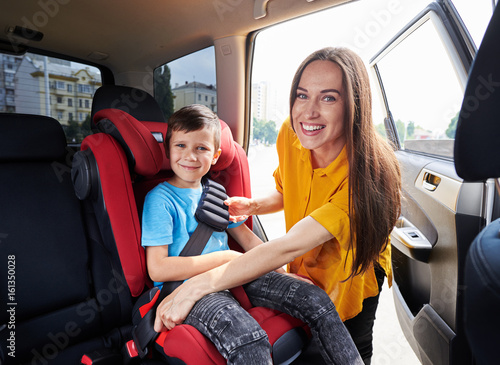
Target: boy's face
191, 156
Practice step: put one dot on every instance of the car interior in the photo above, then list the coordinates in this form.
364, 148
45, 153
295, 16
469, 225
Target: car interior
79, 151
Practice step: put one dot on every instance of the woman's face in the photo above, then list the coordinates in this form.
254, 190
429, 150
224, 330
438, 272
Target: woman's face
318, 111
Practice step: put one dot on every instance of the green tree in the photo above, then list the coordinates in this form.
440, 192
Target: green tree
71, 131
410, 130
400, 126
452, 127
85, 127
380, 128
265, 131
76, 132
258, 129
271, 132
163, 90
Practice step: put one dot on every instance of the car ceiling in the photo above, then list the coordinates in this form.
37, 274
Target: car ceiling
150, 32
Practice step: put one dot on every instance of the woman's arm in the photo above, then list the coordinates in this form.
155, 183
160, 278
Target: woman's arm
162, 267
302, 237
244, 207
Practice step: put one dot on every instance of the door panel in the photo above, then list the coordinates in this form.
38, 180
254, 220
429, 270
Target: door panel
427, 287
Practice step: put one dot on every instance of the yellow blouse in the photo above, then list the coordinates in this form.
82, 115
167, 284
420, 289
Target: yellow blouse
323, 194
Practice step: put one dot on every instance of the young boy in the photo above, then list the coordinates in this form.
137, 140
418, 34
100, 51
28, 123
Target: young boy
192, 146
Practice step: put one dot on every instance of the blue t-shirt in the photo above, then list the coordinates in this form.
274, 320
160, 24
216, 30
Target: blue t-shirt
168, 219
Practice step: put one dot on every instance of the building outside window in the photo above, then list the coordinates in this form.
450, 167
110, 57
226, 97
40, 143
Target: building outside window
23, 89
192, 92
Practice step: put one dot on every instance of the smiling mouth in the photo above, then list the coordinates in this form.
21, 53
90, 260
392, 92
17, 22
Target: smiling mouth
311, 127
190, 168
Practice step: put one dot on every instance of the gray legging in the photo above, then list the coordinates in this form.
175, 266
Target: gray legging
241, 340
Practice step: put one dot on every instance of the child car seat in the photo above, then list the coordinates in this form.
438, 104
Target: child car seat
101, 173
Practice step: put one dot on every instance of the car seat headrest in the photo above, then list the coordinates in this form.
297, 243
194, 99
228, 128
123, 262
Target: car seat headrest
159, 131
138, 103
477, 149
31, 137
227, 147
140, 146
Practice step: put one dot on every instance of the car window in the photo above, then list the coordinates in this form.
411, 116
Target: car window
187, 80
61, 89
423, 81
278, 51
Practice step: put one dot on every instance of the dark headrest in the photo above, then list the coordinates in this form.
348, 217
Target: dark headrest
25, 137
141, 148
138, 103
477, 145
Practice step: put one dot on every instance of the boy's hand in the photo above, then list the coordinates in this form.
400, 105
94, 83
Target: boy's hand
239, 208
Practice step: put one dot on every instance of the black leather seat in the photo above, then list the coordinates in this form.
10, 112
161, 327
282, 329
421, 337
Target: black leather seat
477, 157
64, 296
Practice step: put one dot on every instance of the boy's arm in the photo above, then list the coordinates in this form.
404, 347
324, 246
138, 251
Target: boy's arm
245, 237
162, 267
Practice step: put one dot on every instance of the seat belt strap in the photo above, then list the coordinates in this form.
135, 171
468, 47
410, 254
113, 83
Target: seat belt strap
212, 215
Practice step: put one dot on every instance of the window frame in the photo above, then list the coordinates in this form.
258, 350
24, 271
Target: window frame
449, 33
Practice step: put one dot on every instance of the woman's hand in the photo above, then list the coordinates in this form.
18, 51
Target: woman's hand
173, 310
298, 277
239, 208
301, 278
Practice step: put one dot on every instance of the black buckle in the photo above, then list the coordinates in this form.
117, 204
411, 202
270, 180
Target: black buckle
143, 334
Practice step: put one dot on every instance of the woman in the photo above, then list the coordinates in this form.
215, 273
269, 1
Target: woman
338, 182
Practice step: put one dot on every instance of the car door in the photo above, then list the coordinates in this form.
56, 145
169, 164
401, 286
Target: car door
421, 75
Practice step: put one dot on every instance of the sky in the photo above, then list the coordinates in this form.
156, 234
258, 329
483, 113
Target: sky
199, 68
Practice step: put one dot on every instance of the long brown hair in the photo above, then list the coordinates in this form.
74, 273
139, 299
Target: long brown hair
374, 176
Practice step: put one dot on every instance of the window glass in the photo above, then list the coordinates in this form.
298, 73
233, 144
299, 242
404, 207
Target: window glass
34, 84
423, 91
476, 16
187, 80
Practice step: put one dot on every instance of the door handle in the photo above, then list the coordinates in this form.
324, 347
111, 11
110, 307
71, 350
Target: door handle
410, 240
431, 181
